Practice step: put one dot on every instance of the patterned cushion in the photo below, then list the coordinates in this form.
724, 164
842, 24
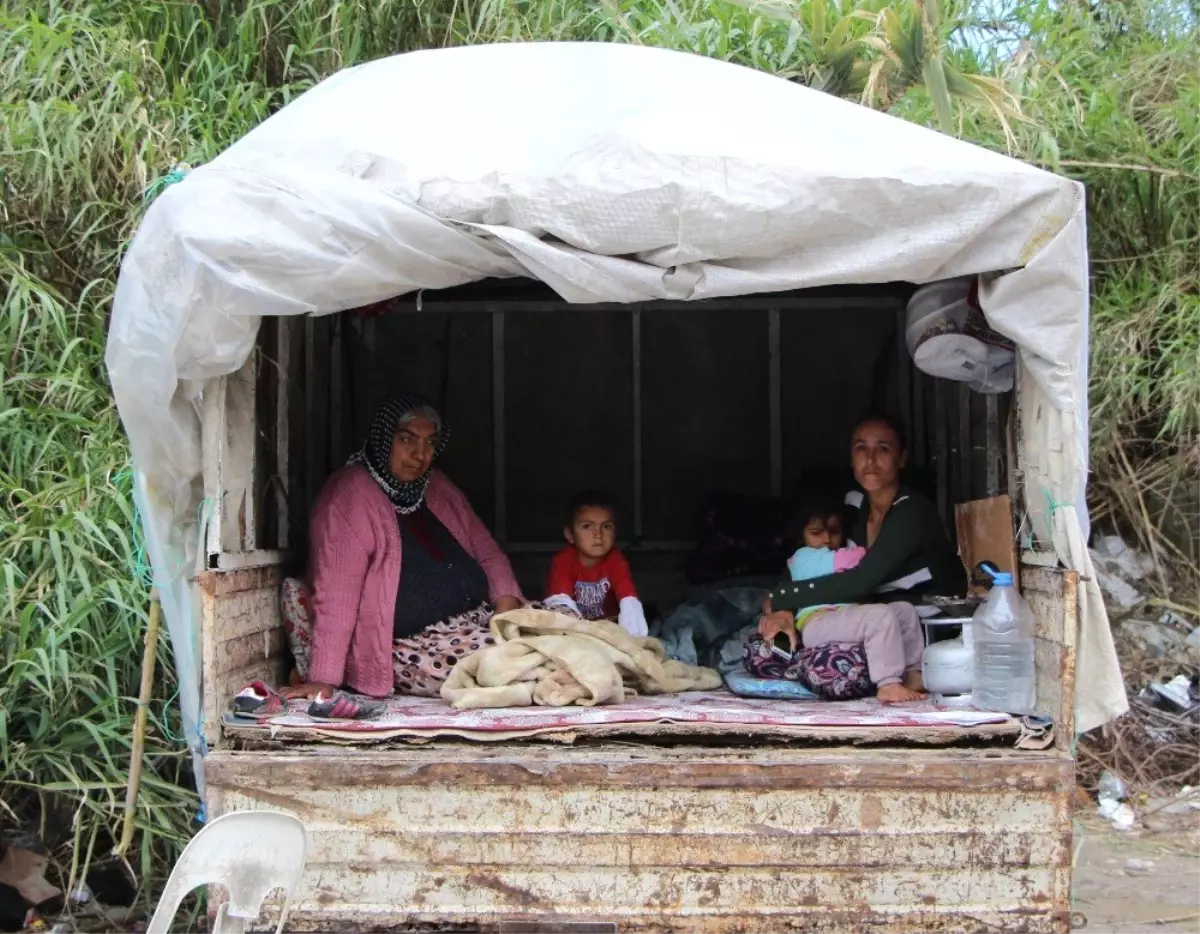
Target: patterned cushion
296, 609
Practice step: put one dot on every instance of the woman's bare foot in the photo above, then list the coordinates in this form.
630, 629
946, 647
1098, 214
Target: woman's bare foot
914, 681
897, 693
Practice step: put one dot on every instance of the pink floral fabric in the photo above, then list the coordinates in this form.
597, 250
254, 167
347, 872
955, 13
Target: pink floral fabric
296, 609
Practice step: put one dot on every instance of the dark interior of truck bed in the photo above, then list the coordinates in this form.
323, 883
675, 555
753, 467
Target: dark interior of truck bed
690, 415
704, 421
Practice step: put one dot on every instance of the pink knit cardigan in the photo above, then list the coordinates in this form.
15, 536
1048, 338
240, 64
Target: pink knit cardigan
354, 569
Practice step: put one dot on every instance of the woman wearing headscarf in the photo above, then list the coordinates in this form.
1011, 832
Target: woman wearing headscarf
404, 575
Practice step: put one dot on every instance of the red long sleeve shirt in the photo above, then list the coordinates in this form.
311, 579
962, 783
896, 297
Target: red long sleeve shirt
597, 590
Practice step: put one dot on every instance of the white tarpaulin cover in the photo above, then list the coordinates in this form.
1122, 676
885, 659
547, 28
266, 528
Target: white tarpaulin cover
612, 173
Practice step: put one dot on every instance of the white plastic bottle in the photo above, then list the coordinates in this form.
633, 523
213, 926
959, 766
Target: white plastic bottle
1004, 658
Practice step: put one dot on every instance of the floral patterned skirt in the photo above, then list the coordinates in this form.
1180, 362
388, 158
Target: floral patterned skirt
422, 662
833, 671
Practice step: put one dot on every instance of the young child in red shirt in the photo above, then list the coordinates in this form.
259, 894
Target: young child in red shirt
590, 575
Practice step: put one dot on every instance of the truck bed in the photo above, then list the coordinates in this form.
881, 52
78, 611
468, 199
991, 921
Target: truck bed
634, 837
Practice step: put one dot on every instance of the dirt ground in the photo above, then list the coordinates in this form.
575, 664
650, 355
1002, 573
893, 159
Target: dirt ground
1143, 880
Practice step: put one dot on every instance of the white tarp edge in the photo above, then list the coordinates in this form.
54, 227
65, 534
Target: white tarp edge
612, 173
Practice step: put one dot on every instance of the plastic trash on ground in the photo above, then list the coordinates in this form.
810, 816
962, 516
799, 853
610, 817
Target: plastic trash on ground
1118, 813
1177, 691
1113, 792
1112, 788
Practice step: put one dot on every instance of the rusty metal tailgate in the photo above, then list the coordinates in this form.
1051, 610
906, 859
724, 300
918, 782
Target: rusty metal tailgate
670, 839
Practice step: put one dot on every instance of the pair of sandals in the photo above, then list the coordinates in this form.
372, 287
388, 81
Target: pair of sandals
258, 701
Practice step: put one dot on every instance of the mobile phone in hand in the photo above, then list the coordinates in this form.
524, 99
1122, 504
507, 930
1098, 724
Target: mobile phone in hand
782, 648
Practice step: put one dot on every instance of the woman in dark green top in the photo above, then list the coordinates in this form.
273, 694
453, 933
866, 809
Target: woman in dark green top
908, 551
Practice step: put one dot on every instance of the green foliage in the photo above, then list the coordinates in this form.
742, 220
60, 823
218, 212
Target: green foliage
76, 132
1112, 96
99, 99
72, 610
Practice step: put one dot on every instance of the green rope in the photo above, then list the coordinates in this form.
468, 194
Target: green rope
139, 567
1054, 505
162, 722
176, 175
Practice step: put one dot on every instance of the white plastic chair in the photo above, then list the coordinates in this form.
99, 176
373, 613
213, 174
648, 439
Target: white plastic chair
250, 853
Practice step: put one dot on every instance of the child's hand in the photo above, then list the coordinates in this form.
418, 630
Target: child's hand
774, 624
632, 617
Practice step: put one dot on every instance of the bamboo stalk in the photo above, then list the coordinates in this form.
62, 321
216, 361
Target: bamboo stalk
149, 658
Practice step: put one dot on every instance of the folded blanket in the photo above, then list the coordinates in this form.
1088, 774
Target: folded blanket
542, 657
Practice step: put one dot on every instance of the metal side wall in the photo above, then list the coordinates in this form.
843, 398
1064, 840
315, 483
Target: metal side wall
670, 839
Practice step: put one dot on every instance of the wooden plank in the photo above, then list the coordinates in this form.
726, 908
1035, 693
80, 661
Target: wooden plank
1026, 533
788, 303
228, 456
994, 445
919, 427
810, 848
312, 395
676, 891
904, 382
339, 395
643, 547
654, 920
282, 419
941, 446
250, 559
775, 401
763, 768
985, 533
317, 350
238, 460
639, 505
1055, 591
499, 416
212, 434
1053, 596
297, 435
962, 432
707, 811
265, 480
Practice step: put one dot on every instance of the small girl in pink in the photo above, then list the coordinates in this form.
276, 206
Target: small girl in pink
890, 632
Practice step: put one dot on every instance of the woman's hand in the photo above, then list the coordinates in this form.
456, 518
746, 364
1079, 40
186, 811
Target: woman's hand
505, 604
772, 624
308, 689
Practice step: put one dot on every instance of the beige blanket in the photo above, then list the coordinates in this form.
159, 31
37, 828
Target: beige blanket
542, 657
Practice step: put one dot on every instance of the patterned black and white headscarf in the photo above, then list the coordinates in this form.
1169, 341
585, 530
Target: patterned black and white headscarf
376, 453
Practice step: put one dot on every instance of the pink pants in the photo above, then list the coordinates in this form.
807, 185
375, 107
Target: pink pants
890, 634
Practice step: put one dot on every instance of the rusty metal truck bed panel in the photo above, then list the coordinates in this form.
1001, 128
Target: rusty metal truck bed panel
670, 839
